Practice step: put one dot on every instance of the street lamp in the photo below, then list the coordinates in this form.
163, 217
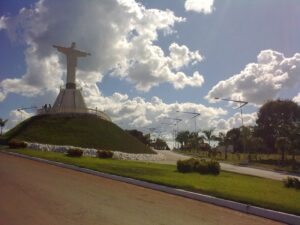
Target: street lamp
241, 105
21, 110
195, 115
176, 123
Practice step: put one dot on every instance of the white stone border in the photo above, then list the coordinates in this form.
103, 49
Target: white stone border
93, 152
245, 208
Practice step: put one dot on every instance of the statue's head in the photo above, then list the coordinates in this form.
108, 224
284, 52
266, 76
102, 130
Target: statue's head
73, 45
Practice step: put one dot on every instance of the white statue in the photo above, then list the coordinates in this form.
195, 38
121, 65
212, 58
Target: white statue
72, 54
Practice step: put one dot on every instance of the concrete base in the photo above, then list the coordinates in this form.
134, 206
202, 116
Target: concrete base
69, 100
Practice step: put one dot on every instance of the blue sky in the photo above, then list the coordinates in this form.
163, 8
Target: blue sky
228, 37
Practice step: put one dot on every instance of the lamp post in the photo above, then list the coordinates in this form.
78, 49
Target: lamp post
241, 105
21, 110
195, 115
176, 123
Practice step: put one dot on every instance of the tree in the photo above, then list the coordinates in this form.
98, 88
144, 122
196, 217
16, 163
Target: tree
160, 144
194, 140
223, 141
208, 135
140, 136
255, 144
282, 144
274, 120
182, 137
2, 124
294, 133
234, 138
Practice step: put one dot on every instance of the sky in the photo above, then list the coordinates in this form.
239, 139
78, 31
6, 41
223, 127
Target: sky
152, 58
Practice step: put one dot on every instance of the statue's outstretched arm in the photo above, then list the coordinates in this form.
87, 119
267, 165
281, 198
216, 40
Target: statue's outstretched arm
82, 54
59, 48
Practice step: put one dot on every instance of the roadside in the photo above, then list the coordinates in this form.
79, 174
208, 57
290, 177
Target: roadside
172, 157
251, 190
66, 197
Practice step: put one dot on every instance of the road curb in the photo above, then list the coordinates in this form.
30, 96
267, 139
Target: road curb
245, 208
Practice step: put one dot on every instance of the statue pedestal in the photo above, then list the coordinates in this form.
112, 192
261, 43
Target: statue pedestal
69, 101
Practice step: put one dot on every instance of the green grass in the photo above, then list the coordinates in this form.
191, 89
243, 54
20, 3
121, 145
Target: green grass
242, 188
86, 131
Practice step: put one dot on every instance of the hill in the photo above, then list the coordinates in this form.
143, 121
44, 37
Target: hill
81, 130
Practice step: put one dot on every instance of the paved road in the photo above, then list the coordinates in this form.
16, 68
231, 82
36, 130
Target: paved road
172, 157
36, 193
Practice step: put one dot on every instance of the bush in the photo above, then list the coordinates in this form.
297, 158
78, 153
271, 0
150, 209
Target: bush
213, 167
185, 166
201, 167
194, 165
104, 154
74, 152
292, 182
17, 144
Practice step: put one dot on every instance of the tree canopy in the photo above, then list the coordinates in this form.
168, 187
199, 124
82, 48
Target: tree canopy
275, 118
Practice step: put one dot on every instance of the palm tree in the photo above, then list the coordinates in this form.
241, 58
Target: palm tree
223, 141
208, 135
2, 124
182, 137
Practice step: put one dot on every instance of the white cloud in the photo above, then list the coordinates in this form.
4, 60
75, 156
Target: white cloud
261, 81
297, 98
181, 56
222, 125
3, 22
121, 40
16, 117
137, 113
200, 6
43, 75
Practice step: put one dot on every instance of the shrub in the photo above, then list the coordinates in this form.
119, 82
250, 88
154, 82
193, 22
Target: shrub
74, 152
14, 143
185, 166
201, 167
213, 167
194, 165
104, 154
292, 182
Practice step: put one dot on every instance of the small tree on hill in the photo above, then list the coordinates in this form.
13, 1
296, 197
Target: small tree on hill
2, 124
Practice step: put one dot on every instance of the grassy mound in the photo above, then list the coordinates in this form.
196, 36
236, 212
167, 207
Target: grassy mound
82, 130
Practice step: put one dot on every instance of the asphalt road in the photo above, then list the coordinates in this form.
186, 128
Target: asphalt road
37, 193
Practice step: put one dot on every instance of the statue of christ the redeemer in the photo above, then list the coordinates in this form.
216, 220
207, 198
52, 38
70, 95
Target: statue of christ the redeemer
72, 54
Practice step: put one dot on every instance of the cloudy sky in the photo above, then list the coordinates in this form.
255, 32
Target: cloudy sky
151, 58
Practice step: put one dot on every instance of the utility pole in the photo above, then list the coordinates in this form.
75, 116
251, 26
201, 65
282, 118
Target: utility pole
21, 110
241, 105
176, 123
195, 115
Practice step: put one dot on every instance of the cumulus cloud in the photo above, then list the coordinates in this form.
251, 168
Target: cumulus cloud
16, 117
120, 34
43, 76
200, 6
223, 125
2, 22
137, 113
261, 81
297, 98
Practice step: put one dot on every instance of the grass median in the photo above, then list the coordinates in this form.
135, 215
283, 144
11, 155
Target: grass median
242, 188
